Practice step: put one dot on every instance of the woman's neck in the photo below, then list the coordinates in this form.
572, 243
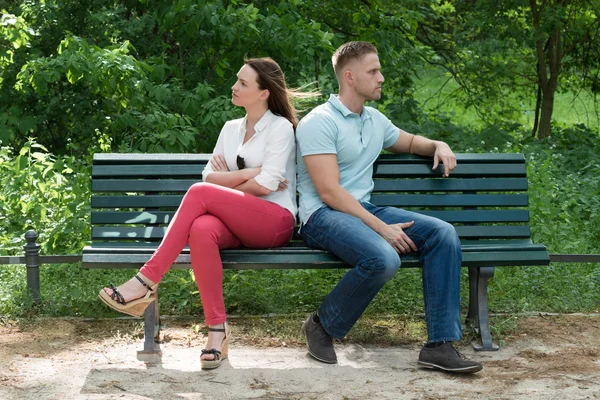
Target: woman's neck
255, 113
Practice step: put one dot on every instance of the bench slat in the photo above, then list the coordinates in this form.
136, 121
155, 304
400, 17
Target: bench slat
380, 170
397, 200
138, 185
463, 216
462, 170
450, 200
466, 245
381, 185
148, 170
129, 158
450, 185
137, 233
315, 259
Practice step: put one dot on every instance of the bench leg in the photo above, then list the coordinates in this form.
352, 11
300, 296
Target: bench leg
482, 274
151, 330
472, 315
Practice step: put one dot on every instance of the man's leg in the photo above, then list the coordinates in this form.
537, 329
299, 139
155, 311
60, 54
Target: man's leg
375, 263
441, 258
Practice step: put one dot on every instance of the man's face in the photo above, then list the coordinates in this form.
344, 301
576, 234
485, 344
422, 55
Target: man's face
367, 77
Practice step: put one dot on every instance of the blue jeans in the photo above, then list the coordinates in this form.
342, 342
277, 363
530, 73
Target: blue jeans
375, 262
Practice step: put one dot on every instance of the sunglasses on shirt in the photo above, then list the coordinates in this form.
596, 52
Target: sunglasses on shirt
241, 164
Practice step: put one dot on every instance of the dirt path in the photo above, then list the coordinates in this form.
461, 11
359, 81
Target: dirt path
548, 358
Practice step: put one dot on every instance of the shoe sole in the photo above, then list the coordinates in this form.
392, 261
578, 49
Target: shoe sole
310, 351
135, 308
474, 368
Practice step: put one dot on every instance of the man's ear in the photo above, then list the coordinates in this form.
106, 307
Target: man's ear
348, 77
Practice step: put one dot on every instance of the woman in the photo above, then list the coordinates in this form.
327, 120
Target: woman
248, 198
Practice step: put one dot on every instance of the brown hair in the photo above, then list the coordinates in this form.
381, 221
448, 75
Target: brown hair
271, 78
350, 51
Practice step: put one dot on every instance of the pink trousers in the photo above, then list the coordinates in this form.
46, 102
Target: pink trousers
210, 218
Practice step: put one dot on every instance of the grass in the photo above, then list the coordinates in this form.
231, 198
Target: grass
436, 92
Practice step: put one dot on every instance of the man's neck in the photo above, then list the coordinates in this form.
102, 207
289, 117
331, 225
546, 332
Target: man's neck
354, 103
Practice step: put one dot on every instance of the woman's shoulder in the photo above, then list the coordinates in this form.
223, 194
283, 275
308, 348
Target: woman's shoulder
280, 122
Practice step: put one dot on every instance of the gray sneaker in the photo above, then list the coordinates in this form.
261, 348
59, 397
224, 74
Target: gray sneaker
318, 342
446, 358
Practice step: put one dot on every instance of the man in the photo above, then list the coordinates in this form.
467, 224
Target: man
338, 142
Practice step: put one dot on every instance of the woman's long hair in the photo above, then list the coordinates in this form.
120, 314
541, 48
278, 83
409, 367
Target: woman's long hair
271, 78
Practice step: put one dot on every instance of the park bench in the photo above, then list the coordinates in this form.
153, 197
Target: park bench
135, 195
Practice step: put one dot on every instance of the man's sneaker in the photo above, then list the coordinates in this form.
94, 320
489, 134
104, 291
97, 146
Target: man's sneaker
446, 358
318, 342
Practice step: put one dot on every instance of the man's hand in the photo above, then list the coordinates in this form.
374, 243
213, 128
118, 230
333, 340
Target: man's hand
394, 234
444, 155
218, 163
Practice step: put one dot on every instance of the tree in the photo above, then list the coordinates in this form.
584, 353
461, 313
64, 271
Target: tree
492, 47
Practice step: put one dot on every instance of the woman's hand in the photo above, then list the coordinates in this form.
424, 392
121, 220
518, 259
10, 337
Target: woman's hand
282, 186
218, 163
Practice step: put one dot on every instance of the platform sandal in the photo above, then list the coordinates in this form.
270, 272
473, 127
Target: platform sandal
134, 307
219, 355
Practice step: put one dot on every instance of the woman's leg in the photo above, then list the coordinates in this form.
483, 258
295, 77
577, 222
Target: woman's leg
243, 214
208, 234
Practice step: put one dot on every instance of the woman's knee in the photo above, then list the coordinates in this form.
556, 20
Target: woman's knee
199, 188
204, 228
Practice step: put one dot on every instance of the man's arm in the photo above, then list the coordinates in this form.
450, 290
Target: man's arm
415, 144
325, 174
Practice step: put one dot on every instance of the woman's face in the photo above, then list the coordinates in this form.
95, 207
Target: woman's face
245, 91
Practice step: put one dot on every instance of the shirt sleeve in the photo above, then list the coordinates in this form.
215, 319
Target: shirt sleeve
280, 146
219, 149
391, 132
316, 134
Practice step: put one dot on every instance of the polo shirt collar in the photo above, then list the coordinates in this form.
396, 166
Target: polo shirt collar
345, 111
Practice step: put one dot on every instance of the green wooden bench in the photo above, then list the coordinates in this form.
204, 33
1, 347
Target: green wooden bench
135, 195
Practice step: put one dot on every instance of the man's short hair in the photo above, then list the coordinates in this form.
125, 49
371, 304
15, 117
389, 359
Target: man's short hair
348, 52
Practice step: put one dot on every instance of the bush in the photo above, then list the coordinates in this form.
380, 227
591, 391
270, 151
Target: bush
46, 193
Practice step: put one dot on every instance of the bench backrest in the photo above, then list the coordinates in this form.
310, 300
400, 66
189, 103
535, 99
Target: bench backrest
134, 196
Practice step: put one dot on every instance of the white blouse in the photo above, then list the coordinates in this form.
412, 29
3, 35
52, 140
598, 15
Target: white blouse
272, 147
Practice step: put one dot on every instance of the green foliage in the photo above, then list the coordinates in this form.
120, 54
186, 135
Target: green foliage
46, 193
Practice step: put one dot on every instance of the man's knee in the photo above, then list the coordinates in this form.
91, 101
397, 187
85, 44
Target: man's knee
445, 232
385, 263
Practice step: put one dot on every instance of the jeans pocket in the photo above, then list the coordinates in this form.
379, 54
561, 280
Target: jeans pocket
282, 238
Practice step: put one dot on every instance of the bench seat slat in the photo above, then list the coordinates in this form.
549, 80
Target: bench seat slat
316, 259
467, 246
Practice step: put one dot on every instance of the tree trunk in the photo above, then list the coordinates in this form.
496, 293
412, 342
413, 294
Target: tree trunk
549, 59
546, 114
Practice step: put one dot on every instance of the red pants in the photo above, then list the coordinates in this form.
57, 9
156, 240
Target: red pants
210, 218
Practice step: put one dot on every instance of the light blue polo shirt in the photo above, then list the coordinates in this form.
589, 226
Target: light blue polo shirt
357, 140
